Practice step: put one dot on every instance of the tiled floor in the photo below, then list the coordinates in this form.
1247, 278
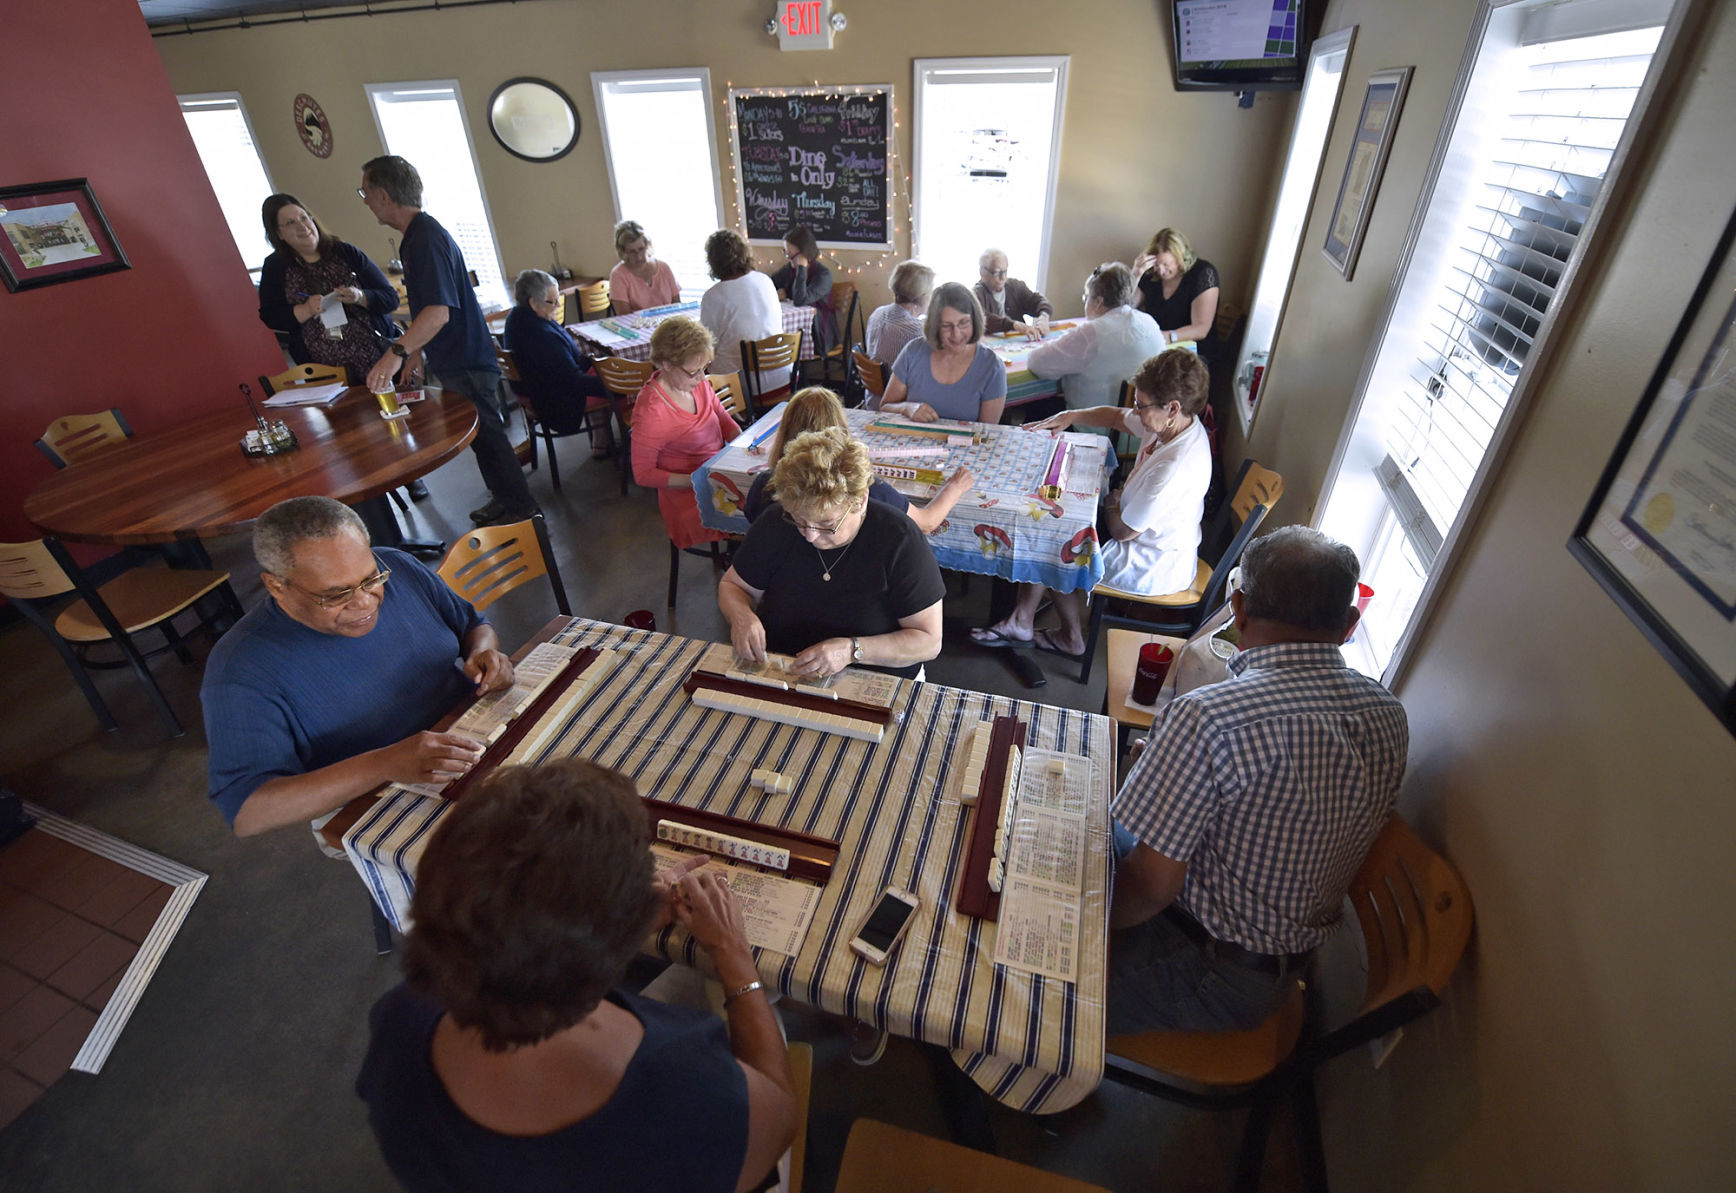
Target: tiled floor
70, 923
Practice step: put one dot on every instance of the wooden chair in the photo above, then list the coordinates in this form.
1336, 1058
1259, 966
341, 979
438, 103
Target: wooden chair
871, 372
589, 423
769, 355
72, 437
881, 1158
1414, 911
624, 378
35, 575
491, 561
727, 387
845, 299
309, 374
1180, 613
594, 300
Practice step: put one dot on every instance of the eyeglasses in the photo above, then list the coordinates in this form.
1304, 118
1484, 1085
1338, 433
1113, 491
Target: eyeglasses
361, 192
692, 374
815, 527
374, 585
964, 325
994, 273
1138, 405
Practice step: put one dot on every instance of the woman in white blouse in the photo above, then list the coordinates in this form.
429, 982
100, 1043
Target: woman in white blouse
743, 305
1099, 354
1153, 521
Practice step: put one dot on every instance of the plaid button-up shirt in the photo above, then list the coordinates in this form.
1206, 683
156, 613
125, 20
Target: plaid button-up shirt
1271, 786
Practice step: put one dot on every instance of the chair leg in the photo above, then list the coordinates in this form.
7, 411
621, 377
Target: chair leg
143, 670
175, 642
1254, 1135
1096, 628
398, 500
73, 664
1308, 1142
674, 570
382, 928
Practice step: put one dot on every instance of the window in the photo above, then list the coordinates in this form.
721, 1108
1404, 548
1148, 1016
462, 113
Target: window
1320, 91
656, 122
423, 123
988, 139
1542, 119
226, 146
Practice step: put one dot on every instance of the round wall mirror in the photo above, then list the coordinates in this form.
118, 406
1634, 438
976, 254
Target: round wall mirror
533, 119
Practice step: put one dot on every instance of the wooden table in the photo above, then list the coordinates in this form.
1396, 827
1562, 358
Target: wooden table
1123, 662
192, 481
1033, 1043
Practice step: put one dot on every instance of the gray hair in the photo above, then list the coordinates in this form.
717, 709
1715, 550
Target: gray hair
532, 283
989, 255
280, 528
395, 176
959, 297
1300, 578
911, 282
1111, 284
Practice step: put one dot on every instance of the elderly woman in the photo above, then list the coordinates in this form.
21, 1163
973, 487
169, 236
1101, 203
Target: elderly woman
898, 322
948, 373
743, 305
510, 1058
679, 424
1099, 354
1176, 288
1153, 521
307, 264
639, 280
554, 376
818, 409
831, 577
807, 283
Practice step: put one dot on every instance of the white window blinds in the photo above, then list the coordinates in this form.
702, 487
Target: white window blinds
218, 124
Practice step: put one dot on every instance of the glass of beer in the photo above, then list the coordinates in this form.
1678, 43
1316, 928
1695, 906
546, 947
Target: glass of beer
387, 397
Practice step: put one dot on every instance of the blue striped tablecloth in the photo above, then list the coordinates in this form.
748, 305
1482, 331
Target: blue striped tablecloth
1002, 527
1033, 1043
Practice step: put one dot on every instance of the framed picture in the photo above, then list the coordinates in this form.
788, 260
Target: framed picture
1362, 170
54, 232
1659, 534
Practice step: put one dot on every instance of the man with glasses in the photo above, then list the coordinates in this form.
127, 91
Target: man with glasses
1006, 301
326, 690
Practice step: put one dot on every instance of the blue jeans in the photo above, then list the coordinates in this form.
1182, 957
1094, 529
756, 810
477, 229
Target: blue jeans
1160, 980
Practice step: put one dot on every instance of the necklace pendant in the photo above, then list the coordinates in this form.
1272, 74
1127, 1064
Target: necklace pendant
826, 576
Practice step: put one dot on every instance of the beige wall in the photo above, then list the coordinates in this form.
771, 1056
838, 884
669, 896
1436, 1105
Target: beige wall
1134, 154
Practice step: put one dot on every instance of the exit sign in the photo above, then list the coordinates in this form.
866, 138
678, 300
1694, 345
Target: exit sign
804, 24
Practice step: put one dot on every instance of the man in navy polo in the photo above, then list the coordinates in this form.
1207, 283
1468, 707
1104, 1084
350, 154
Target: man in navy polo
446, 323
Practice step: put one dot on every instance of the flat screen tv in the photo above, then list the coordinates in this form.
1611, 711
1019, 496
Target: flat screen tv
1239, 45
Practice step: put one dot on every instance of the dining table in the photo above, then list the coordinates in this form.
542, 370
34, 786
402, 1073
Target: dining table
1013, 349
192, 481
629, 336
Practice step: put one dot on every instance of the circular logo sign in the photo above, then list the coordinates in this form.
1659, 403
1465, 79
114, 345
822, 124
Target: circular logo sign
311, 123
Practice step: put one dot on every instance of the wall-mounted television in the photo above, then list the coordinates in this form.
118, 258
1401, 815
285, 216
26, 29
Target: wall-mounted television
1240, 45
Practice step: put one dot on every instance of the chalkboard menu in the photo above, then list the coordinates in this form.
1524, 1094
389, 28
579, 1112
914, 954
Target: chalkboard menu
814, 156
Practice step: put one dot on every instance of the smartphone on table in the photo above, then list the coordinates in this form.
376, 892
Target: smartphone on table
885, 925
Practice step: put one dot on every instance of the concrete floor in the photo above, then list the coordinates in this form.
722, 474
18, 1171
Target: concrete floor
235, 1070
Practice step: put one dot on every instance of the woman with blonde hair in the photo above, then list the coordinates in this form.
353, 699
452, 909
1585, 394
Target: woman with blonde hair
1177, 288
819, 409
679, 424
639, 280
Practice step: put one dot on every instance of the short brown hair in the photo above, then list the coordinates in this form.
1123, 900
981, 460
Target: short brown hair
959, 297
727, 255
531, 898
822, 470
1168, 240
273, 207
802, 237
675, 339
1175, 376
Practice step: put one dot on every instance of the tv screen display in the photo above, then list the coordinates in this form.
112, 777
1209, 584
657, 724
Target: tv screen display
1239, 45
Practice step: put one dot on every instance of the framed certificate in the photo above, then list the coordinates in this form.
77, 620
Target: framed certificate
1362, 169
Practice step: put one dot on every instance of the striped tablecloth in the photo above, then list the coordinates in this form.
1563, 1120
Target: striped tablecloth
629, 336
1003, 527
1035, 1044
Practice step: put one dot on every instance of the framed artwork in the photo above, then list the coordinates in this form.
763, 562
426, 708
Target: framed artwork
1381, 104
54, 232
1659, 534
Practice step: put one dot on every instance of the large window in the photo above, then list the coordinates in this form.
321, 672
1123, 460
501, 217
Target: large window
988, 141
1543, 117
657, 125
224, 139
1320, 92
423, 123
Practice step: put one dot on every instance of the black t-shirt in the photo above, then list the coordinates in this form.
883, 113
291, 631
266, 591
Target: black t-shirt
885, 573
1177, 310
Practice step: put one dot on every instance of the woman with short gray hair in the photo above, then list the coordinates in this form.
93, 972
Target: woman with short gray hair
1095, 357
553, 375
898, 322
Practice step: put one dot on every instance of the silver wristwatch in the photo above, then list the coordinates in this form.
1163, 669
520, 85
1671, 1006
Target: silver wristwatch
855, 650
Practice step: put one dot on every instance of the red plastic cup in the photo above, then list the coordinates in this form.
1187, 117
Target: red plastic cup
1364, 594
640, 619
1154, 661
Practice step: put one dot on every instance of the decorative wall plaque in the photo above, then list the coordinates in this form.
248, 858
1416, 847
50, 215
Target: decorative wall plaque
311, 123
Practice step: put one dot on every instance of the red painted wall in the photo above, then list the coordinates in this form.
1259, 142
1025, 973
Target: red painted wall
168, 338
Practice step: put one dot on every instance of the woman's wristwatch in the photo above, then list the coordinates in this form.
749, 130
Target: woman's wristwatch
855, 650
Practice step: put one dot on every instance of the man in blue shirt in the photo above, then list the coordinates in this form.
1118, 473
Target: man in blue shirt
447, 325
325, 691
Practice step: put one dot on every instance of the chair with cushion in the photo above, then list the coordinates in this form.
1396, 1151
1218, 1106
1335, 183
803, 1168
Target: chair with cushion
624, 379
36, 575
1414, 911
881, 1158
594, 300
770, 355
1180, 613
871, 372
309, 374
491, 561
74, 436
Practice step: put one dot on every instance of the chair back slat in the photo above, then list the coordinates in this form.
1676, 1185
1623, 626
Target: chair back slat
308, 374
1415, 914
491, 561
872, 372
594, 299
75, 436
727, 387
508, 369
1260, 486
772, 353
29, 572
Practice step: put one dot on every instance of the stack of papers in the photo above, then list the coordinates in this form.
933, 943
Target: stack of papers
307, 395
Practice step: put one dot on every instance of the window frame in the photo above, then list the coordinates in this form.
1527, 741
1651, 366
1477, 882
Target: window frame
1589, 255
207, 97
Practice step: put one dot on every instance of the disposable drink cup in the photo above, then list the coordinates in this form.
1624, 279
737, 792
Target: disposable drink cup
640, 619
390, 407
1154, 661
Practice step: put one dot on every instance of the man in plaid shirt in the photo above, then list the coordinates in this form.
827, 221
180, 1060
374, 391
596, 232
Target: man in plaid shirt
1253, 804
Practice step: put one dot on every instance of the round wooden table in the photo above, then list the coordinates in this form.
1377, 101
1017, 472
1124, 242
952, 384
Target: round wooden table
193, 481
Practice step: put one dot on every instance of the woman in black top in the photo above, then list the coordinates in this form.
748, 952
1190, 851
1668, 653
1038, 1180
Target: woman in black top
309, 263
807, 283
1176, 288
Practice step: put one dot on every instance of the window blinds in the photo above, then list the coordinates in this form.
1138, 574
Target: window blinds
225, 145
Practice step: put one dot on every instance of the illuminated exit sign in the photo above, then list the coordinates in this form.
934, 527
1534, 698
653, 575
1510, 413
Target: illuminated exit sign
804, 24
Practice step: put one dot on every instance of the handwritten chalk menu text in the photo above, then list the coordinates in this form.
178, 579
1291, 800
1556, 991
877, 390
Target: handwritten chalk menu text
814, 156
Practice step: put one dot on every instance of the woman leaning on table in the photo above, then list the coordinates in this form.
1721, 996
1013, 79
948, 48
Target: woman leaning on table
948, 373
679, 424
639, 280
510, 1058
307, 263
1177, 288
829, 576
807, 283
1153, 520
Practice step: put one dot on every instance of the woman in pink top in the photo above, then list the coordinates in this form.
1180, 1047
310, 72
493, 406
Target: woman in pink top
678, 424
640, 280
